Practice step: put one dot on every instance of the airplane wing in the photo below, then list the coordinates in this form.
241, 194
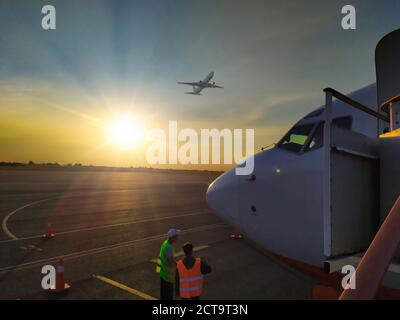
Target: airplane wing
188, 83
211, 85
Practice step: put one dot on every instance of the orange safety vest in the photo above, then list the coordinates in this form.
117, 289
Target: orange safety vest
190, 280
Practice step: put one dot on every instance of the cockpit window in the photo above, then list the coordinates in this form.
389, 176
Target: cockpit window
317, 140
295, 139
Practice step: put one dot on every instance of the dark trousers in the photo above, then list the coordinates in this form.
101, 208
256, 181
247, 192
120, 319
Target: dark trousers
166, 290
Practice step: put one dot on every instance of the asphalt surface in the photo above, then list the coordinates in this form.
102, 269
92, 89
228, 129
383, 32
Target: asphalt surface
111, 224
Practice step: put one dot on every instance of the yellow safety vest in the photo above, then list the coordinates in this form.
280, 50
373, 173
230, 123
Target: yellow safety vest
167, 273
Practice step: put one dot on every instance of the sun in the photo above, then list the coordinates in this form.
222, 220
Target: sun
126, 132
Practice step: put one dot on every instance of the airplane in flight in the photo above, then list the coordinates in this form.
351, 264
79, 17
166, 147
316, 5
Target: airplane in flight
314, 200
202, 84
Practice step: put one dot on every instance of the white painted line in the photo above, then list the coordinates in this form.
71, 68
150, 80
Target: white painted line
7, 217
83, 253
130, 222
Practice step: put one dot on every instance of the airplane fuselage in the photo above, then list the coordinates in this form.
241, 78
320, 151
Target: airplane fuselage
282, 208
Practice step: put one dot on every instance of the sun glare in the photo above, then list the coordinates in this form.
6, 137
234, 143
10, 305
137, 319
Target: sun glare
126, 132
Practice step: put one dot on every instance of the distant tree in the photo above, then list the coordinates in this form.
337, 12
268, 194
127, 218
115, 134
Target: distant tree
31, 163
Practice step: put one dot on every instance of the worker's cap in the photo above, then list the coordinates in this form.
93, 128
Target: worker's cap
173, 232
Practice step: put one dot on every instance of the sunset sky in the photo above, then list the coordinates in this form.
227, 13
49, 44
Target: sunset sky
62, 90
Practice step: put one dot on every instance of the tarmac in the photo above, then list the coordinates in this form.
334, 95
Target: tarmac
108, 229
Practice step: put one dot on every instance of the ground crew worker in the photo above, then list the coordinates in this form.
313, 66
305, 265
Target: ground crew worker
166, 265
189, 275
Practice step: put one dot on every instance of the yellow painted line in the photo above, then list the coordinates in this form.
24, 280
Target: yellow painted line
7, 217
121, 286
180, 253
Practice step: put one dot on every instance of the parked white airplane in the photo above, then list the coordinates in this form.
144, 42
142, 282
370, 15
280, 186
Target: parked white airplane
288, 208
281, 209
200, 85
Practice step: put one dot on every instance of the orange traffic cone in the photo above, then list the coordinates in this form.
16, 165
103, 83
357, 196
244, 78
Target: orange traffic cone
48, 233
236, 235
61, 285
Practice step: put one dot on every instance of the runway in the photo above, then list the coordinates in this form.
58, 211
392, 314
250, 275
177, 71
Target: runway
109, 226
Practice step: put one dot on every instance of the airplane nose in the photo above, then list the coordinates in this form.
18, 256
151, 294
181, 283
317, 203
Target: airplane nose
222, 196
